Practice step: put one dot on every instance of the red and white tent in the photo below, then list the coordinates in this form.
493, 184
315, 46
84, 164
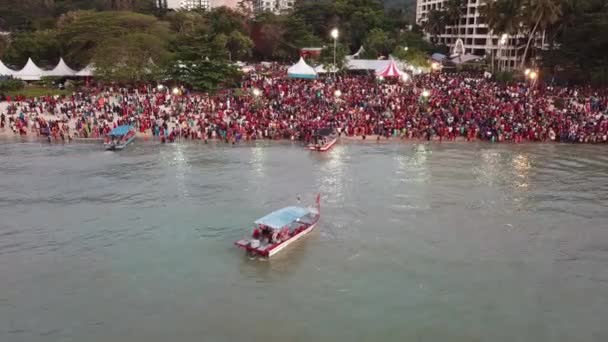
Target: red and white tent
391, 70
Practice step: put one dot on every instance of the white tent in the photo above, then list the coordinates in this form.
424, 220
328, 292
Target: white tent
320, 69
88, 71
4, 71
61, 70
377, 65
301, 70
30, 72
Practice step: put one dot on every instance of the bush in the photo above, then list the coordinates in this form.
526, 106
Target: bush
504, 76
10, 85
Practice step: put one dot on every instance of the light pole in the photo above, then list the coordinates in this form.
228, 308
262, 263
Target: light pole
334, 35
503, 41
532, 75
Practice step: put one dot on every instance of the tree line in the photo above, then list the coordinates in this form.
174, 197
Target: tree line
131, 40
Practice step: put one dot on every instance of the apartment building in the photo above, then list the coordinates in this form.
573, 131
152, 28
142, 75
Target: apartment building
478, 39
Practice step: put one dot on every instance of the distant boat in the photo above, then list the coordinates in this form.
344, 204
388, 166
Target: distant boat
324, 140
280, 229
119, 138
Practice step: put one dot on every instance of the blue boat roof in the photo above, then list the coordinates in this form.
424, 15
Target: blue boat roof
282, 217
120, 130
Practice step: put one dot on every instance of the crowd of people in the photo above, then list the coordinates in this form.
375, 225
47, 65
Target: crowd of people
436, 106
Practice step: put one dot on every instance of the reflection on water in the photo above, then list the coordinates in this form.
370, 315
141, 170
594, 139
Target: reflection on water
421, 242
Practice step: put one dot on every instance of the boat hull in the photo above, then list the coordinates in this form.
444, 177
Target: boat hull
271, 251
325, 147
118, 147
293, 239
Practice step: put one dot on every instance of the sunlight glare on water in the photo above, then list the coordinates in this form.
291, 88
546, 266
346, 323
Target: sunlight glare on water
417, 242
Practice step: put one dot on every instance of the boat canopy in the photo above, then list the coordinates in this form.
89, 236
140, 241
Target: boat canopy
120, 130
323, 132
283, 217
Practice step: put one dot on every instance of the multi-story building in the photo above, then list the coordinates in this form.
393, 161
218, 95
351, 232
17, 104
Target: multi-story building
275, 6
478, 39
195, 4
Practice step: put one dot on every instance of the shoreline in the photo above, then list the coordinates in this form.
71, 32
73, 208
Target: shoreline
10, 137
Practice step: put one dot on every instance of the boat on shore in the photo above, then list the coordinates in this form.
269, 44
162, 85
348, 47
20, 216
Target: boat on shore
279, 229
119, 138
324, 140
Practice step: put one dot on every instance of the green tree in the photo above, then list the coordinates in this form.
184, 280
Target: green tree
581, 52
327, 56
238, 46
378, 43
204, 75
538, 15
187, 22
268, 36
434, 24
454, 10
42, 46
85, 33
130, 58
412, 55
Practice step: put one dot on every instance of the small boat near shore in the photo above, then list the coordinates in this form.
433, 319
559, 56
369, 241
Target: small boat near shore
324, 140
280, 229
119, 138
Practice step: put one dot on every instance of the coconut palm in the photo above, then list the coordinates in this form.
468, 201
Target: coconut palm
434, 24
454, 10
502, 16
538, 15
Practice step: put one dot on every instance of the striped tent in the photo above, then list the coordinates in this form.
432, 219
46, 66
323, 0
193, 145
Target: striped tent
391, 70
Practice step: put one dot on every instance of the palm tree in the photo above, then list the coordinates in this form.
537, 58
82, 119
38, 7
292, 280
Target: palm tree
502, 16
434, 24
454, 10
539, 14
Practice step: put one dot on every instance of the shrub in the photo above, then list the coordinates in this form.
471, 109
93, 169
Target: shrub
10, 85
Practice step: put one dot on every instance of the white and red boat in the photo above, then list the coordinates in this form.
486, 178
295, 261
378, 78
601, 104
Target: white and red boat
324, 140
279, 229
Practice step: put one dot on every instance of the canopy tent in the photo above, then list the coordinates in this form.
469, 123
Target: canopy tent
88, 71
320, 69
460, 59
367, 64
282, 217
61, 70
120, 131
391, 70
438, 57
30, 72
301, 70
5, 71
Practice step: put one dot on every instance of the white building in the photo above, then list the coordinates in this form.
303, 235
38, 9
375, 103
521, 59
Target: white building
275, 6
478, 39
183, 4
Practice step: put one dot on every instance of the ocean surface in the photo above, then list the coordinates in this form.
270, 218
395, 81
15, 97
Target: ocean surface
417, 242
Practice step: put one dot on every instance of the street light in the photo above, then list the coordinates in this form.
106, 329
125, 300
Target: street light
337, 93
406, 48
527, 72
334, 34
256, 92
160, 87
426, 93
533, 75
405, 77
176, 91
